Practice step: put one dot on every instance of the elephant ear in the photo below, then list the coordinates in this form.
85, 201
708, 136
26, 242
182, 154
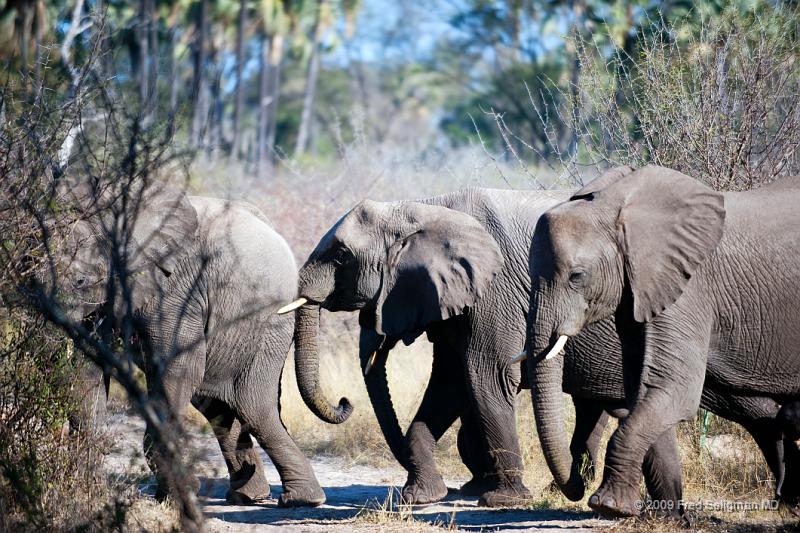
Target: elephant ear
445, 266
162, 232
606, 179
669, 224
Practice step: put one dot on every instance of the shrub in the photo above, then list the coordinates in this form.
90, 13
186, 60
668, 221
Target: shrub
720, 105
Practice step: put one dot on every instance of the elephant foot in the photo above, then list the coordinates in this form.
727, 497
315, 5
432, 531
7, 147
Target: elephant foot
307, 496
248, 489
249, 493
418, 492
477, 487
505, 496
613, 502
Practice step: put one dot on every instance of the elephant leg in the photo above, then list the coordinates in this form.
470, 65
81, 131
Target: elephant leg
258, 407
492, 385
667, 391
662, 472
248, 483
181, 357
757, 414
590, 422
441, 405
790, 491
262, 415
474, 456
91, 394
637, 433
178, 384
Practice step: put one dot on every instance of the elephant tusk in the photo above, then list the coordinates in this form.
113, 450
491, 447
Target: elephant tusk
292, 306
370, 363
520, 357
557, 347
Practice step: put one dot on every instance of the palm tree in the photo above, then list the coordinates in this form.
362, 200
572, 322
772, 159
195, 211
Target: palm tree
276, 23
199, 97
323, 17
29, 25
238, 100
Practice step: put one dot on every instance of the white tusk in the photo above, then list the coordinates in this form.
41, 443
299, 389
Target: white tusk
557, 347
292, 306
370, 363
520, 357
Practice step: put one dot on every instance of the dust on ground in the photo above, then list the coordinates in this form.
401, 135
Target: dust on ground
356, 496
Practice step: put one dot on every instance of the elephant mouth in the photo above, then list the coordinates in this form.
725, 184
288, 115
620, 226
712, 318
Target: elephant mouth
556, 349
332, 302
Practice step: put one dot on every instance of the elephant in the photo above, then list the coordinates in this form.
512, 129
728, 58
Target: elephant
206, 277
456, 268
702, 287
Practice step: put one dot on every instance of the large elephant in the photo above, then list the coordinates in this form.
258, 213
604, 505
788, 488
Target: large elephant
455, 267
206, 277
703, 287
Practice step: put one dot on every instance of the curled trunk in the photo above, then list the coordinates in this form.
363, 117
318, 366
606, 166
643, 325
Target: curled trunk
379, 395
306, 360
548, 407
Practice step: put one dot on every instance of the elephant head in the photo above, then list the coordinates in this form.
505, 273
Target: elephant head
625, 245
402, 265
123, 258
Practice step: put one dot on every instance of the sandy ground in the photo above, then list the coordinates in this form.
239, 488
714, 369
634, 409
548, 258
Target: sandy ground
356, 494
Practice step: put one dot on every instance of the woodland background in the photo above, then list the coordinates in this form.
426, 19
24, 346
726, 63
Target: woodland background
306, 107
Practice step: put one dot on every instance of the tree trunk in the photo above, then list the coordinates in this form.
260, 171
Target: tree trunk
104, 67
263, 102
217, 108
38, 30
239, 94
143, 41
276, 62
306, 117
173, 71
199, 97
579, 21
24, 21
306, 361
152, 76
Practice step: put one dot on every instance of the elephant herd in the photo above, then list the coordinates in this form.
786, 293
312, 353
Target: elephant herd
645, 295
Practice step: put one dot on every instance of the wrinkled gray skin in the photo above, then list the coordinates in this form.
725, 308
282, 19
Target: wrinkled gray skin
347, 271
210, 276
702, 286
454, 266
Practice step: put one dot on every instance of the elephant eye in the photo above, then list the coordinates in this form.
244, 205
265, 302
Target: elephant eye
576, 277
342, 256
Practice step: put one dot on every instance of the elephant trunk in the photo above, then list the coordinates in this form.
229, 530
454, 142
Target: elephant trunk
380, 397
548, 407
306, 360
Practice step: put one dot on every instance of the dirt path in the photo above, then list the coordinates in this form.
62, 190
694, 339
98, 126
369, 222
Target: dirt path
356, 495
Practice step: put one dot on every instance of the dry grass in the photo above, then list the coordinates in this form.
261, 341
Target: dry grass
390, 514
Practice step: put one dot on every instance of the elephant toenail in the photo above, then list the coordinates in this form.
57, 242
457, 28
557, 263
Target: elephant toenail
594, 500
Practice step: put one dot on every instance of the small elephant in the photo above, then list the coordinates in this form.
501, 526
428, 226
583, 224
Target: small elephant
456, 268
206, 277
702, 287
